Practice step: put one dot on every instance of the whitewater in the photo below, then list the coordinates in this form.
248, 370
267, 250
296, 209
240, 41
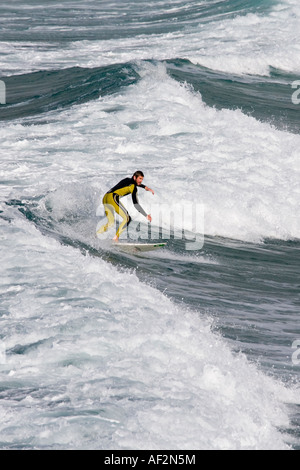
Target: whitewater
176, 349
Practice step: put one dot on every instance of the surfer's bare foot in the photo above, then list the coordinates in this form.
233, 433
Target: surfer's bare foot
116, 239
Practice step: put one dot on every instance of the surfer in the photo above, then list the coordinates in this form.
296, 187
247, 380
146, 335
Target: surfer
111, 202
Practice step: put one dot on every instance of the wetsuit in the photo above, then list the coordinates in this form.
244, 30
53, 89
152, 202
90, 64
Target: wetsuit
111, 202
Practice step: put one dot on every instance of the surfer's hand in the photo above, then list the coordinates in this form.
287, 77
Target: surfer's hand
149, 189
149, 218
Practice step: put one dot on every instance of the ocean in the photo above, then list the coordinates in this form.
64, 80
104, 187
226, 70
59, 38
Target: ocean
193, 346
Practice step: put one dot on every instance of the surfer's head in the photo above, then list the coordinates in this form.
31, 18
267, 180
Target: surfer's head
138, 177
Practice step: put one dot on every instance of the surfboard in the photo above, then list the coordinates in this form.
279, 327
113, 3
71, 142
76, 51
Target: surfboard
138, 247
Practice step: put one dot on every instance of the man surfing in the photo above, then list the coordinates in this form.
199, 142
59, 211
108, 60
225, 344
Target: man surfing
111, 202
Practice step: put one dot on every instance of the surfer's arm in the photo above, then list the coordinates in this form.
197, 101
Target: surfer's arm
146, 188
149, 189
137, 204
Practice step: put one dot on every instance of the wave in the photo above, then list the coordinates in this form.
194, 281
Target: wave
238, 37
51, 90
244, 172
91, 21
268, 99
109, 369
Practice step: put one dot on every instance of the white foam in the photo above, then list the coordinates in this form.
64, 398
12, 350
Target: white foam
108, 362
112, 363
198, 258
245, 173
253, 43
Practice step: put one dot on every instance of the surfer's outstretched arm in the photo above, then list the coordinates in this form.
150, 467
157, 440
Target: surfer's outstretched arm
149, 189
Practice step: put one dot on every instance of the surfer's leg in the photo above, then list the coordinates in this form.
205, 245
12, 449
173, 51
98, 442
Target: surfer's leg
109, 208
126, 219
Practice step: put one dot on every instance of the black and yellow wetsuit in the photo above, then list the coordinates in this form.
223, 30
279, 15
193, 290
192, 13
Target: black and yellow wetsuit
112, 203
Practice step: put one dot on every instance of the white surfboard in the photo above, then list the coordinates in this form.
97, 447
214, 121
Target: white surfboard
138, 247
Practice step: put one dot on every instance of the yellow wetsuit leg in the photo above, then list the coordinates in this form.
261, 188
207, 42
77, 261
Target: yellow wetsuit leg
109, 212
111, 203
